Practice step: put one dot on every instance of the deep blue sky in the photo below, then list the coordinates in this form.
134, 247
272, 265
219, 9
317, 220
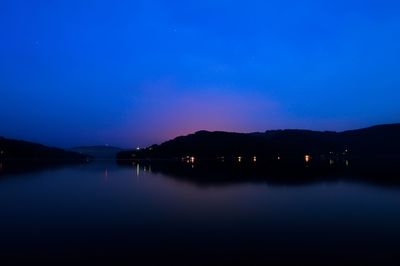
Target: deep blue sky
133, 73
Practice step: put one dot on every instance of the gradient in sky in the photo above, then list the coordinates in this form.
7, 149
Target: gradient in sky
133, 73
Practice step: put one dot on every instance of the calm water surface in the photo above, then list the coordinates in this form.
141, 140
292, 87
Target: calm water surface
101, 213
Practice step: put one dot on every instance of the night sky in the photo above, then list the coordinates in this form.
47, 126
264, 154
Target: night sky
134, 73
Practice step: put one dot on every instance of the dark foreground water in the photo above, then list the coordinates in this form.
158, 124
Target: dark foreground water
101, 213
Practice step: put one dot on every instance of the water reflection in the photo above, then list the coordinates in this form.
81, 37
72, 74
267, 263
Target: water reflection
21, 166
221, 214
105, 176
217, 173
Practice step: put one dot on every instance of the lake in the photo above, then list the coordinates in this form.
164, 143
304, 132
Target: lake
102, 213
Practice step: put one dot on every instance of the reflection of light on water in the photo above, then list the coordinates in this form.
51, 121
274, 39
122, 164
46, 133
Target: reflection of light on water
192, 159
347, 162
137, 170
331, 162
106, 175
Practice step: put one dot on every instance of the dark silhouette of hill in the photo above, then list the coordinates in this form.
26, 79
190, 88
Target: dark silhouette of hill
18, 149
18, 155
377, 142
98, 151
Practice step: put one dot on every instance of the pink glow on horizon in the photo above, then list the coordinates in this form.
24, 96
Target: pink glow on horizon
168, 112
213, 110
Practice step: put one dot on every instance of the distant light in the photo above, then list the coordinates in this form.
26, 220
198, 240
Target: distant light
192, 159
254, 158
138, 148
279, 157
307, 158
239, 159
